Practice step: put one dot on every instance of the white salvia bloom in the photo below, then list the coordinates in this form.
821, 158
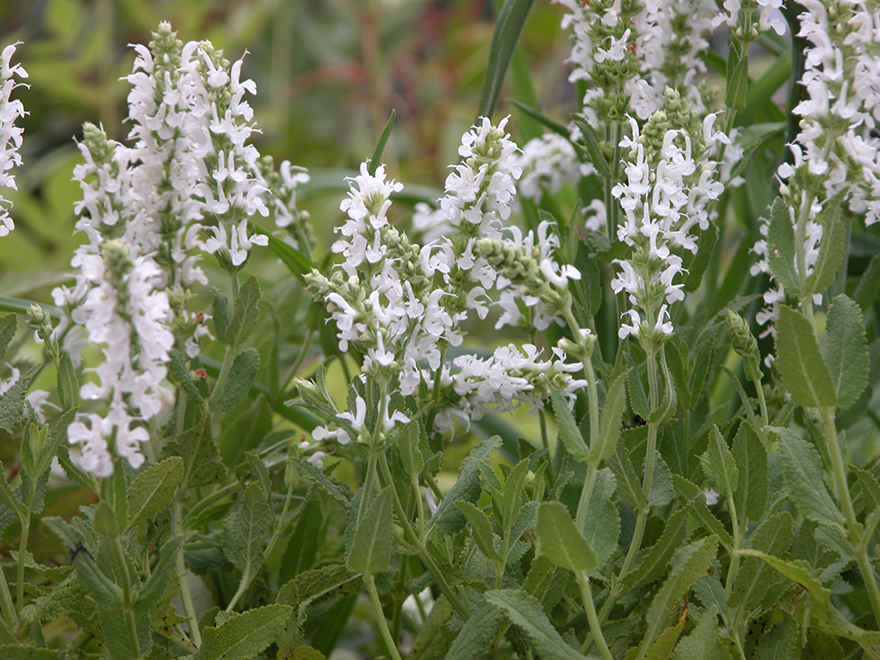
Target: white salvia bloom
711, 496
10, 134
547, 163
125, 315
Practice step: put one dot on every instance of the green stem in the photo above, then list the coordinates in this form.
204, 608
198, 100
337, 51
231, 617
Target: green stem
6, 601
127, 598
852, 525
380, 617
592, 618
22, 551
185, 595
460, 607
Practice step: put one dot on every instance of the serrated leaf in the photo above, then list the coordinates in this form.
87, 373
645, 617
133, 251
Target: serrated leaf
220, 316
162, 573
201, 458
380, 145
804, 372
704, 642
689, 564
834, 246
12, 402
477, 633
780, 248
847, 351
591, 145
719, 464
558, 539
751, 461
247, 530
336, 490
778, 642
19, 652
802, 471
662, 648
467, 487
612, 410
526, 612
153, 489
410, 447
602, 520
246, 311
511, 498
67, 381
244, 635
630, 487
372, 545
773, 536
241, 376
179, 372
481, 529
697, 499
8, 326
569, 433
657, 558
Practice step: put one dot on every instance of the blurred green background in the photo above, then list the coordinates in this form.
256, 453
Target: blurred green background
328, 73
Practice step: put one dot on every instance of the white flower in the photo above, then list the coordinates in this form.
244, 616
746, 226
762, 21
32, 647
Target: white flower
711, 497
10, 134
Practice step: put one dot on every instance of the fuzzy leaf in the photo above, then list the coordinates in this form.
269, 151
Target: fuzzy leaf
201, 458
773, 536
569, 433
511, 499
179, 372
241, 376
802, 470
656, 559
559, 540
834, 246
467, 487
481, 529
244, 635
220, 315
67, 381
751, 462
778, 642
612, 409
704, 642
697, 500
719, 464
780, 248
602, 521
804, 372
526, 612
153, 489
847, 349
372, 545
247, 529
8, 326
737, 78
246, 311
477, 633
18, 652
336, 490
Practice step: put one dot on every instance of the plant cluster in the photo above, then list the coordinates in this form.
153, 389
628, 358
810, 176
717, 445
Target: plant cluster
684, 281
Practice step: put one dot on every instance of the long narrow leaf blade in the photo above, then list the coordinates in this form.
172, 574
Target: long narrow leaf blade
510, 22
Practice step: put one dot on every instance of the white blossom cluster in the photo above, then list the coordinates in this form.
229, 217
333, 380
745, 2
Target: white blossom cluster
836, 152
737, 15
547, 163
402, 304
670, 180
10, 134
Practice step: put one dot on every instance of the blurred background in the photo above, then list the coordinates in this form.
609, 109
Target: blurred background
328, 74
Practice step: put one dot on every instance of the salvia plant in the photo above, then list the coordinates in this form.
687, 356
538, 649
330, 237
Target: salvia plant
609, 394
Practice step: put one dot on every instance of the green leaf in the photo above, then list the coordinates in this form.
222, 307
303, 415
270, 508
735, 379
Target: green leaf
244, 635
220, 315
751, 462
241, 376
201, 458
558, 539
17, 652
602, 520
630, 485
737, 77
834, 238
697, 500
591, 144
12, 402
780, 248
804, 372
511, 499
847, 349
8, 326
336, 490
477, 633
612, 409
569, 433
409, 444
526, 612
752, 137
380, 145
245, 313
297, 263
246, 531
689, 564
778, 642
373, 543
656, 558
179, 372
661, 649
507, 28
153, 489
156, 585
481, 529
467, 487
704, 642
554, 126
719, 464
754, 579
802, 471
869, 284
68, 383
